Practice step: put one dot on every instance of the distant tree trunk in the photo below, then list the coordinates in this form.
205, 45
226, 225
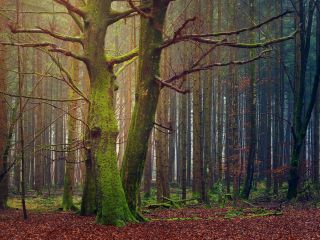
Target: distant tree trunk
21, 122
279, 87
208, 87
189, 136
183, 144
233, 114
163, 187
251, 111
3, 131
38, 186
197, 154
220, 104
172, 137
147, 180
67, 200
316, 157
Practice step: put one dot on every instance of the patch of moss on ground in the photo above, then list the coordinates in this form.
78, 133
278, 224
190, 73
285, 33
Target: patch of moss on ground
41, 203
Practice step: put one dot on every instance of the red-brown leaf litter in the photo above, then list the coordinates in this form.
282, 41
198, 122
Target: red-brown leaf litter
184, 224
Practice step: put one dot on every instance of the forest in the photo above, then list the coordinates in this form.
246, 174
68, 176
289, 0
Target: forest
159, 119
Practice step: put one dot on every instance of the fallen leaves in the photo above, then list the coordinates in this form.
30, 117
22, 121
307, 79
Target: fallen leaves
194, 223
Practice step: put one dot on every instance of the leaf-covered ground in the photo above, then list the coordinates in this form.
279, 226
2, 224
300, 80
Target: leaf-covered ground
191, 223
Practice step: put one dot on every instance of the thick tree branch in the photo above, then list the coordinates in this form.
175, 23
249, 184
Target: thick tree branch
126, 64
71, 8
77, 20
111, 61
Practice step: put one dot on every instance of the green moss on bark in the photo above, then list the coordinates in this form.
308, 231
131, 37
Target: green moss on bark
112, 205
147, 96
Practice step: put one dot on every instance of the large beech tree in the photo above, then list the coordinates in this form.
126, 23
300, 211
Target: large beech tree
93, 19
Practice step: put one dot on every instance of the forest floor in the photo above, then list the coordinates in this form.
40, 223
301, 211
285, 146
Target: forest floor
185, 223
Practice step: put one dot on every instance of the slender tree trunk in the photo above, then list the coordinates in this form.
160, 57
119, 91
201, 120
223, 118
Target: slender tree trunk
3, 131
183, 144
69, 181
233, 114
251, 108
21, 122
147, 180
39, 127
163, 189
316, 157
197, 154
220, 104
208, 87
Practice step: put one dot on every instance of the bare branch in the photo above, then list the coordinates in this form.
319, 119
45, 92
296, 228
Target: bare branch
40, 98
236, 32
183, 26
139, 10
228, 43
247, 45
70, 80
71, 8
48, 32
69, 54
44, 44
210, 66
168, 85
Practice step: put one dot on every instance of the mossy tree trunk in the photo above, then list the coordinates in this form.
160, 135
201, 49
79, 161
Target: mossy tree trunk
147, 95
112, 207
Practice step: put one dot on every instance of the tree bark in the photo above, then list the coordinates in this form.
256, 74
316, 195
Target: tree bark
147, 94
301, 119
251, 111
3, 131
